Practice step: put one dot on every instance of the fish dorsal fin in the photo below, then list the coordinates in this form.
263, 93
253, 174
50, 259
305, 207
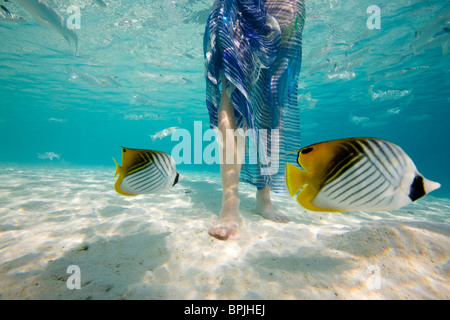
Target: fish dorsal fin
316, 157
135, 157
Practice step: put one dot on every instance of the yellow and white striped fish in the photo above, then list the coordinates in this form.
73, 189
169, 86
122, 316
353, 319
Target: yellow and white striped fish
145, 171
355, 174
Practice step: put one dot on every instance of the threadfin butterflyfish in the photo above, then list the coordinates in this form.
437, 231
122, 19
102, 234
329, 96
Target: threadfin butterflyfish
145, 172
353, 174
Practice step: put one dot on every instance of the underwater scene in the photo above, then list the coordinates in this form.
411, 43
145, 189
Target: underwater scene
111, 169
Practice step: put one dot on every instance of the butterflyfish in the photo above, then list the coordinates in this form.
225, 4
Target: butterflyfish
353, 174
145, 172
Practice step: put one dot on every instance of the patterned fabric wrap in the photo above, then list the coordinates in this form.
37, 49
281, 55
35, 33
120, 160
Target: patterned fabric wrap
256, 46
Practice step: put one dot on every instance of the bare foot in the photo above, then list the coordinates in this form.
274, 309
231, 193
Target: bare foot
265, 208
225, 228
268, 211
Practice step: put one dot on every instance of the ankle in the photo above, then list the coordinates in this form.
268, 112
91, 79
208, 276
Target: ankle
263, 196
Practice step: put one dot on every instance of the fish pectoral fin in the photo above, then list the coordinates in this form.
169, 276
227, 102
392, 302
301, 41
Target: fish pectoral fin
295, 178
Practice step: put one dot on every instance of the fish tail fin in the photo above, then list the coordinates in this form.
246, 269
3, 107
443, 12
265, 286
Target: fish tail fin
118, 167
295, 178
430, 185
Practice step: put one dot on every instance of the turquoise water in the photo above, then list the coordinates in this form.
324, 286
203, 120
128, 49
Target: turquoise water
139, 69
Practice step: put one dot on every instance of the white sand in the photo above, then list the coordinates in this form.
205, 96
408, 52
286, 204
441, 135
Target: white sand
158, 247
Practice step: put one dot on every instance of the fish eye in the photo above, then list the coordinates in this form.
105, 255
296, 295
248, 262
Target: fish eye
124, 150
307, 150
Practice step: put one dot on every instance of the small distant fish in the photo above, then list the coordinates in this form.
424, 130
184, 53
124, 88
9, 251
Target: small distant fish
399, 74
388, 94
163, 133
133, 117
47, 16
57, 120
111, 82
168, 78
346, 75
86, 77
100, 3
359, 120
105, 82
306, 101
5, 10
394, 111
145, 171
5, 14
48, 155
355, 174
433, 34
141, 100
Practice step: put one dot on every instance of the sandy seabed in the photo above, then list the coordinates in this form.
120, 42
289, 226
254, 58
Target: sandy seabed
158, 247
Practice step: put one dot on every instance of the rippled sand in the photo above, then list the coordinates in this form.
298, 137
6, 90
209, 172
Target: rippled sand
158, 247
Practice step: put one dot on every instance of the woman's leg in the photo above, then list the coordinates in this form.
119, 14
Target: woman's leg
227, 226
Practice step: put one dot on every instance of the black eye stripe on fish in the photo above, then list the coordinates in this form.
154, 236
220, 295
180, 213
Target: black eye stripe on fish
356, 174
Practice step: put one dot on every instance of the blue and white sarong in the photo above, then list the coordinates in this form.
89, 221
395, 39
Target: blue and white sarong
256, 45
